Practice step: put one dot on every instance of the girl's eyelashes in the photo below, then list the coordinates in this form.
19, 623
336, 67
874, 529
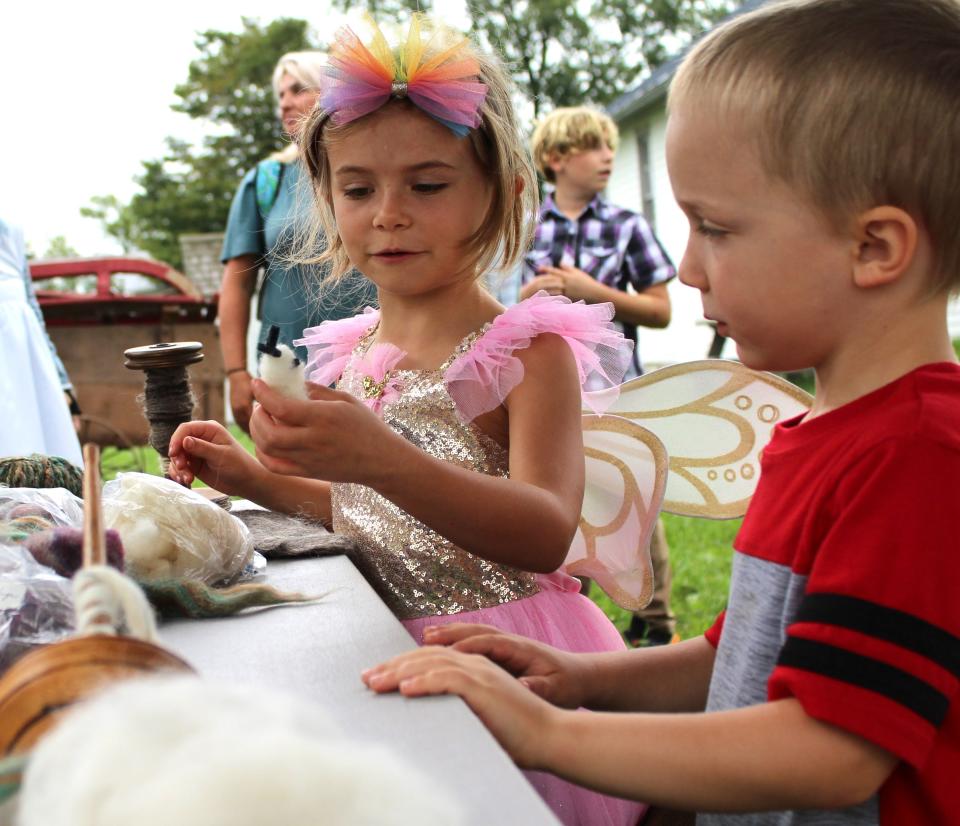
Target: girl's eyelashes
708, 231
357, 192
428, 188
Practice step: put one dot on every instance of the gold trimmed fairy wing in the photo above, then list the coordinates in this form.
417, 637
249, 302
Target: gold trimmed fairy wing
703, 425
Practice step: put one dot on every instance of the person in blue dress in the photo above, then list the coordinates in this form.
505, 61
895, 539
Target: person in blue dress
260, 230
35, 391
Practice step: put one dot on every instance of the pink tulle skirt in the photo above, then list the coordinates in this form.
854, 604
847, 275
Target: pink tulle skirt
562, 617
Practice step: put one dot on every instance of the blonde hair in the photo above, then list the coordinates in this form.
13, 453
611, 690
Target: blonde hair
504, 234
304, 67
569, 130
307, 69
855, 104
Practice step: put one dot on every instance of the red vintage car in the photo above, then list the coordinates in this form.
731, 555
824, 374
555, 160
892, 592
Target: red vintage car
117, 290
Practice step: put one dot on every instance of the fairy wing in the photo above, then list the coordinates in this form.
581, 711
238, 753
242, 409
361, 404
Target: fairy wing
714, 417
626, 472
705, 421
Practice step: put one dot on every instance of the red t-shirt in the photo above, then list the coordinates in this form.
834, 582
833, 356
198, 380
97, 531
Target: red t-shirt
846, 584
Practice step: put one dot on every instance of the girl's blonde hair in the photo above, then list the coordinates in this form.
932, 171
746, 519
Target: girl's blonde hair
568, 130
853, 104
500, 149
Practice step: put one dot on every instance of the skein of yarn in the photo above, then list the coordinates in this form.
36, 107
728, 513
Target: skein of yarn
38, 471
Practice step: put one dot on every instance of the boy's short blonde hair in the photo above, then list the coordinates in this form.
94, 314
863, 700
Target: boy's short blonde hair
506, 229
856, 103
569, 130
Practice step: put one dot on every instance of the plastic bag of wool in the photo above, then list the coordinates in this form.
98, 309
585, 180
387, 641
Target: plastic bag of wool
170, 532
180, 750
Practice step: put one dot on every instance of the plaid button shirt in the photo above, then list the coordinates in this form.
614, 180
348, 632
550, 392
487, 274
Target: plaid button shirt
614, 245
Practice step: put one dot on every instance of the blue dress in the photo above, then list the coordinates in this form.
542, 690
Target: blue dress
290, 297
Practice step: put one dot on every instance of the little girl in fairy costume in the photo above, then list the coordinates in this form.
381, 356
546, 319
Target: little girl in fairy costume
451, 449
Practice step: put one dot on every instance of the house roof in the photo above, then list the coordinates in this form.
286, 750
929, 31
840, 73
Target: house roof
656, 84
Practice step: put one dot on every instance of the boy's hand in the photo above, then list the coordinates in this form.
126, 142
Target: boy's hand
520, 721
575, 283
333, 436
553, 284
554, 675
207, 451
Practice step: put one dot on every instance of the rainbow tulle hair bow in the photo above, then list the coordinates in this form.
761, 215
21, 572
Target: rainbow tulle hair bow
437, 75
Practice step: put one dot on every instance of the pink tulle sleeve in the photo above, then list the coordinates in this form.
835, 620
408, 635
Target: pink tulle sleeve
330, 345
481, 378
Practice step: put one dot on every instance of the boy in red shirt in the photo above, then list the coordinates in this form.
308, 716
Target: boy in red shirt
814, 146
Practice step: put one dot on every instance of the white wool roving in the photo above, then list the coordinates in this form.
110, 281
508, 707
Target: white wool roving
180, 750
284, 373
172, 532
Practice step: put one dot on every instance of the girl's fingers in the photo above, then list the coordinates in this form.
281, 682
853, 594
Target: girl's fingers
280, 407
276, 464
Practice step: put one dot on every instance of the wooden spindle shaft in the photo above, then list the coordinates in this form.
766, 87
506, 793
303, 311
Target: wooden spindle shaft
94, 534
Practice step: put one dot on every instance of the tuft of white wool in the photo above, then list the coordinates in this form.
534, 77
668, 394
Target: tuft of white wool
284, 373
180, 750
172, 532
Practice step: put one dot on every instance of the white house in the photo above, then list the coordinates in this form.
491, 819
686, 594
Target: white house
640, 182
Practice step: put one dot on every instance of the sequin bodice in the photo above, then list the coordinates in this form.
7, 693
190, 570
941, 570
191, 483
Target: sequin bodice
415, 570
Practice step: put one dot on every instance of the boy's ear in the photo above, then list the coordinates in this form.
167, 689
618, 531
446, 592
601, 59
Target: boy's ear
555, 161
886, 238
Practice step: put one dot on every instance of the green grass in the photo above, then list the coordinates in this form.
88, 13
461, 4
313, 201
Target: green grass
700, 553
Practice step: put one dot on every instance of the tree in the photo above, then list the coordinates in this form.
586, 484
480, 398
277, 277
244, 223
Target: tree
189, 190
59, 247
565, 54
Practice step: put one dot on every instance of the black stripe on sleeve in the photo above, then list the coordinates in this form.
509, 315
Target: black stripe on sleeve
865, 672
882, 623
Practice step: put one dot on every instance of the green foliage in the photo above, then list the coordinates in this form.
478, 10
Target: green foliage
564, 54
59, 248
189, 190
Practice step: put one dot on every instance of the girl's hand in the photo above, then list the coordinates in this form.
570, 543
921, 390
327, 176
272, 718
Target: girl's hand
519, 720
554, 675
333, 436
207, 451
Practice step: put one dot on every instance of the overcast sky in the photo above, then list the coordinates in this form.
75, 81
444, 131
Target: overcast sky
86, 95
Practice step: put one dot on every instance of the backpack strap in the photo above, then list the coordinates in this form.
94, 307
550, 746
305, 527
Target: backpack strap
269, 173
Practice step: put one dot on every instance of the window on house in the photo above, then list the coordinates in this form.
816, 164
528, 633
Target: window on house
646, 179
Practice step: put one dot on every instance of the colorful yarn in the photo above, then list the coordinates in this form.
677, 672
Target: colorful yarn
197, 600
22, 528
432, 68
38, 471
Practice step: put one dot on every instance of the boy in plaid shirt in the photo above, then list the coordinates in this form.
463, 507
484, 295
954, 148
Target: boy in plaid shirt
588, 249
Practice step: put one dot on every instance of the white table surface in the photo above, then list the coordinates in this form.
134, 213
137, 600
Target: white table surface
317, 652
